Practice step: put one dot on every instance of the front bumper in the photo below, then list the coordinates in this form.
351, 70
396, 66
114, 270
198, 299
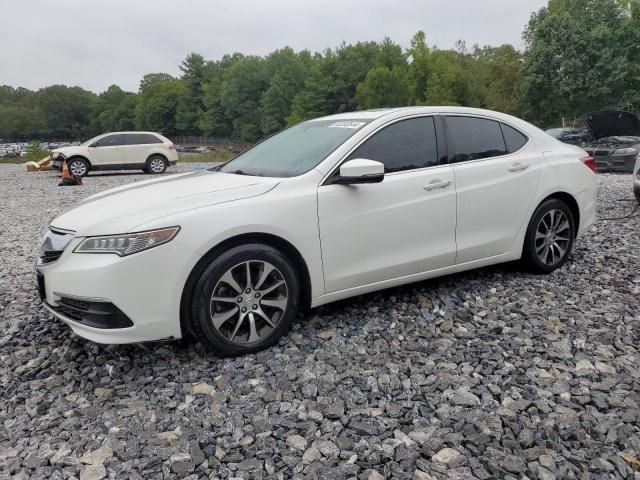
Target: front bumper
145, 288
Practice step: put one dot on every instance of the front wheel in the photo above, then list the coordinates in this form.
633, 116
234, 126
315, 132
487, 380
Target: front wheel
78, 167
156, 164
245, 300
549, 237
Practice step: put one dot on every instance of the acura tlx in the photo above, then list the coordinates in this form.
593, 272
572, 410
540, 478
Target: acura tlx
327, 209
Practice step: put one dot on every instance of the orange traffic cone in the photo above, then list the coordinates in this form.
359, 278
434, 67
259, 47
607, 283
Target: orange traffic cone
67, 178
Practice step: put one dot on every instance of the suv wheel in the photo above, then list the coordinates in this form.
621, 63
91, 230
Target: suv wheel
78, 167
549, 237
156, 164
245, 300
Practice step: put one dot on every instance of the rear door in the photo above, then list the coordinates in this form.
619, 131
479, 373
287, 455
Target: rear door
496, 171
402, 226
108, 151
139, 147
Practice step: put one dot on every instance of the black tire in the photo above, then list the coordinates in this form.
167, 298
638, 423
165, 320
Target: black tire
535, 246
201, 324
156, 165
79, 165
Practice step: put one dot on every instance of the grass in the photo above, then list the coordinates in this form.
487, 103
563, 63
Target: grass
206, 157
29, 158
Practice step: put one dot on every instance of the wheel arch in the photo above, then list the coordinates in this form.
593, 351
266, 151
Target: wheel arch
81, 157
156, 154
274, 241
570, 201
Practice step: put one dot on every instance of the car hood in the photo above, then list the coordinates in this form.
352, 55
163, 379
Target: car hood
122, 209
69, 151
610, 123
616, 142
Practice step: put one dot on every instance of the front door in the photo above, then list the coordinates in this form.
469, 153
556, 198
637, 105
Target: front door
402, 226
108, 151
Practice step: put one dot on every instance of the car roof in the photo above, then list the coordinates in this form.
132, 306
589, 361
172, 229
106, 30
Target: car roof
136, 131
381, 112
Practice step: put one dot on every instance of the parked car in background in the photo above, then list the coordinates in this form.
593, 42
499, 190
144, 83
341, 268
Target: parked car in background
231, 254
572, 136
615, 140
148, 151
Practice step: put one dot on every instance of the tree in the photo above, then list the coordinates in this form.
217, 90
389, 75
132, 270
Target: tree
114, 110
66, 111
581, 55
287, 72
241, 90
419, 70
157, 103
384, 87
191, 102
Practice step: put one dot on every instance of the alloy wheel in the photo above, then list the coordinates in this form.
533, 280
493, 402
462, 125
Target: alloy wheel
552, 237
248, 301
77, 168
157, 165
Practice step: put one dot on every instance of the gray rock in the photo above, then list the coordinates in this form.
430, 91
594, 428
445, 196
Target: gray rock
181, 463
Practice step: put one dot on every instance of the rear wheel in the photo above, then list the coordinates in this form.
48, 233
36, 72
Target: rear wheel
156, 164
549, 237
78, 167
245, 300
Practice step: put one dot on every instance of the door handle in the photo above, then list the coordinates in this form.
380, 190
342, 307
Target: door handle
518, 167
435, 184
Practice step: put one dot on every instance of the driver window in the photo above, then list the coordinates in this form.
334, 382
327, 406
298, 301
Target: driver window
404, 145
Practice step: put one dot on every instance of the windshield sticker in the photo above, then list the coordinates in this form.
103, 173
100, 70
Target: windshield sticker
353, 125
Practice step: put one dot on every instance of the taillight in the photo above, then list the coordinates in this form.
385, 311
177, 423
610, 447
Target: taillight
172, 146
589, 162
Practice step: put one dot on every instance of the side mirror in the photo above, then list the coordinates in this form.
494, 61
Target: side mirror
93, 145
360, 170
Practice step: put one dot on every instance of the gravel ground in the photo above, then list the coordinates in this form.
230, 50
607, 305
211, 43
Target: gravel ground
488, 374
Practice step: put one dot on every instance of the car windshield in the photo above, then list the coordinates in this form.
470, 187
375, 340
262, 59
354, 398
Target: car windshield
293, 151
90, 141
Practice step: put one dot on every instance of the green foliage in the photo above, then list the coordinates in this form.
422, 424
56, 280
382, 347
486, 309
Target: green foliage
158, 103
35, 152
581, 55
384, 87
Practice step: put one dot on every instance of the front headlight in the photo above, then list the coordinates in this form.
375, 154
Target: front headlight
127, 243
625, 151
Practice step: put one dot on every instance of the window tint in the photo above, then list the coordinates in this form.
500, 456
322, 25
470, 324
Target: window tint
111, 141
513, 138
474, 138
141, 139
405, 145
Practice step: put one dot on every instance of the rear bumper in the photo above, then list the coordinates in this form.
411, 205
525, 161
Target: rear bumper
587, 204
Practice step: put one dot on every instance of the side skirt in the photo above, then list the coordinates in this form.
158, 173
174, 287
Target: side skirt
417, 277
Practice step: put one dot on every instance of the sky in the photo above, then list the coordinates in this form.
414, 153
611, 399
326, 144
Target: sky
97, 43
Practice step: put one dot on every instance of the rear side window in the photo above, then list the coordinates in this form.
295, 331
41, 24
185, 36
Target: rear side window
142, 139
474, 138
513, 139
404, 145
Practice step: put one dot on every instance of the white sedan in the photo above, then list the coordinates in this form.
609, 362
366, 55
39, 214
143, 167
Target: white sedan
328, 209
